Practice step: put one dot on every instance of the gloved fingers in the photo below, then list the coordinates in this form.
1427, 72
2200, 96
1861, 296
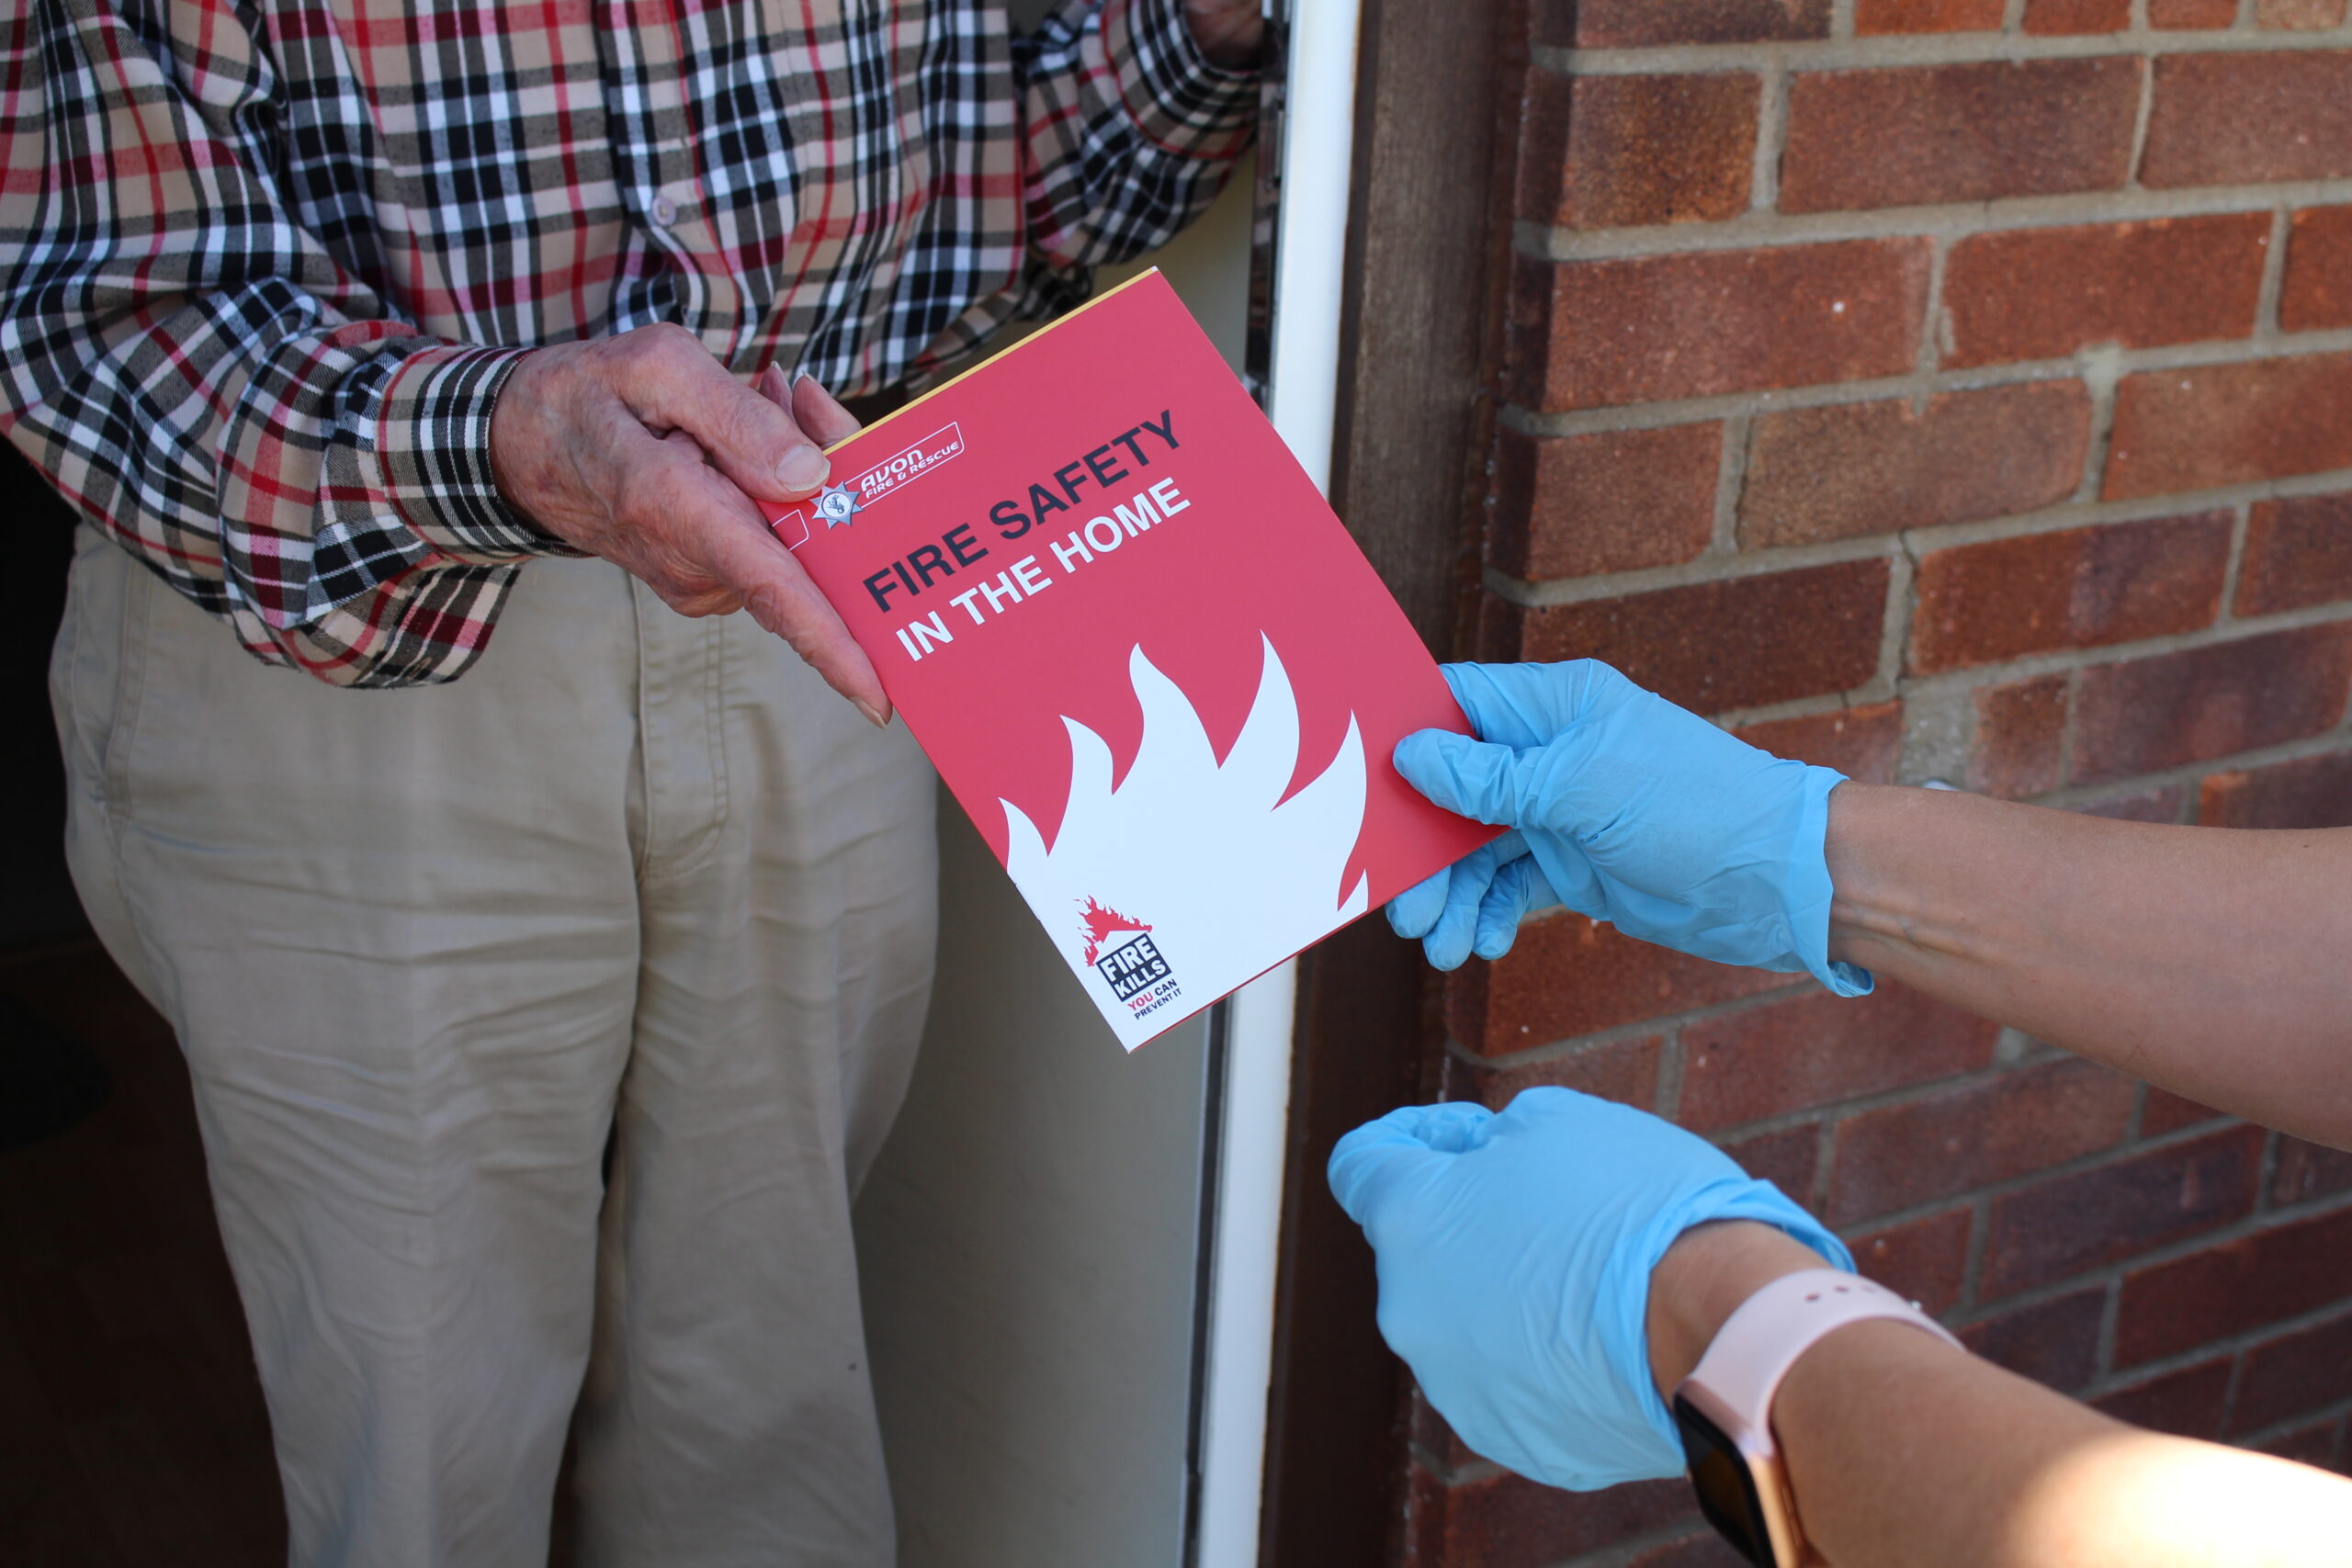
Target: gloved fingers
1450, 942
1492, 713
1412, 912
1529, 704
1519, 887
1475, 779
1447, 945
1452, 1126
1377, 1162
1610, 1130
1614, 1144
1548, 1108
1416, 912
1570, 874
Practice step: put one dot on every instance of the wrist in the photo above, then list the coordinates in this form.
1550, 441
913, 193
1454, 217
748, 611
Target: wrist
1892, 853
1182, 98
1856, 814
1231, 37
514, 437
437, 442
1809, 888
1704, 1277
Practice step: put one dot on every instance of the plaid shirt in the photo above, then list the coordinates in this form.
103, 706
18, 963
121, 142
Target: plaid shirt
265, 263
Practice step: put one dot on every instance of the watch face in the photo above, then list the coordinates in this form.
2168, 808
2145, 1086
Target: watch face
1726, 1487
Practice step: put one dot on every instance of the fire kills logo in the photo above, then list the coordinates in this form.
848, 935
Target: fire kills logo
1130, 968
1100, 925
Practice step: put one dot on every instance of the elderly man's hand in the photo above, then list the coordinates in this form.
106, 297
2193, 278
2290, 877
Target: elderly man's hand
1230, 32
642, 449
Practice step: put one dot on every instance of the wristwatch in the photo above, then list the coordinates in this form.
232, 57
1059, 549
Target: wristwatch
1725, 1406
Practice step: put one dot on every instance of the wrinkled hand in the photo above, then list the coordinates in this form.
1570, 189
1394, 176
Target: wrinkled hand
1230, 32
642, 449
1628, 809
1515, 1253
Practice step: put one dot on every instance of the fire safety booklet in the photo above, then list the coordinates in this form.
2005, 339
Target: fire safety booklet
1141, 650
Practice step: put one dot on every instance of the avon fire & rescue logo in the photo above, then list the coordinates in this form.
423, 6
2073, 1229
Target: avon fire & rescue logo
840, 504
836, 505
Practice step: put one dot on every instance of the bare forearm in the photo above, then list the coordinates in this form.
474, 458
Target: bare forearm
1904, 1452
2209, 961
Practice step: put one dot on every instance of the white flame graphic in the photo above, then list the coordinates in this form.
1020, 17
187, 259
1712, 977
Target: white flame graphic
1230, 878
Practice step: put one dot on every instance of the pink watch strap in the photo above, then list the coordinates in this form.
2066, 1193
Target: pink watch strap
1760, 1341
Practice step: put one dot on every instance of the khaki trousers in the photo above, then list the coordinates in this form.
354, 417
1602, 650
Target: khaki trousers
636, 878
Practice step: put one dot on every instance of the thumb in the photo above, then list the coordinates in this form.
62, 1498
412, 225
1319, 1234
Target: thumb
1476, 779
1413, 912
1381, 1161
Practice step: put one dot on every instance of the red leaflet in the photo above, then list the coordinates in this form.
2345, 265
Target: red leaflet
1142, 652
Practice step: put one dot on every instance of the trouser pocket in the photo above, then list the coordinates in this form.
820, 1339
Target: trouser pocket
93, 689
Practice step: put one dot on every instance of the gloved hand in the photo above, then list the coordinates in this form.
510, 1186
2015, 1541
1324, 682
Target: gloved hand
1631, 810
1515, 1253
1475, 904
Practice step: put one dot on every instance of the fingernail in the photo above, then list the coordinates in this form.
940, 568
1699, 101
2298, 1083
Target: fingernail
879, 719
804, 469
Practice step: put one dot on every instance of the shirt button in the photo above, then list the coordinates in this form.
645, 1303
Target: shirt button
665, 211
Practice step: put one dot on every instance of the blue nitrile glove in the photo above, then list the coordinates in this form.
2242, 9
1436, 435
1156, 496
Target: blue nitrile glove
1474, 905
1628, 809
1515, 1253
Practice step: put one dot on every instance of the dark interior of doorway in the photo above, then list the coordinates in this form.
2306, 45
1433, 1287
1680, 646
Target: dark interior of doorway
131, 1424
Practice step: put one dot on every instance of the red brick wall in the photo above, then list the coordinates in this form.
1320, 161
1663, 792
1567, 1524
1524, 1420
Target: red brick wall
1955, 390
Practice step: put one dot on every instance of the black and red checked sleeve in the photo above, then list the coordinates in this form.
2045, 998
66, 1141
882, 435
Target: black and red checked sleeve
1128, 133
1129, 129
205, 382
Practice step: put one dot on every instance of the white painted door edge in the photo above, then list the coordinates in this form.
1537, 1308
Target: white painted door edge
1310, 261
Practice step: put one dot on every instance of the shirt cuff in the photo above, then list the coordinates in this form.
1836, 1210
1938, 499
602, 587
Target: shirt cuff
1181, 100
432, 440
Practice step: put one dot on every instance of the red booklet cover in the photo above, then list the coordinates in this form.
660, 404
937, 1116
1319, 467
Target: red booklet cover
1142, 652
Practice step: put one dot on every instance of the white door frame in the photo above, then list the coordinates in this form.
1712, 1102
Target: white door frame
1315, 125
